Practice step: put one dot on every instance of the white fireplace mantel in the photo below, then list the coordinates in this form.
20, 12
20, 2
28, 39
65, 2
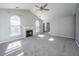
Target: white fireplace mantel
24, 29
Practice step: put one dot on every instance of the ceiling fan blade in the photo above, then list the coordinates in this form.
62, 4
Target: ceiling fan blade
45, 5
46, 9
37, 6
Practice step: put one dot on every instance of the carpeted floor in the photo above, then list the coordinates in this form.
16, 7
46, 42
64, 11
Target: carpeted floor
43, 45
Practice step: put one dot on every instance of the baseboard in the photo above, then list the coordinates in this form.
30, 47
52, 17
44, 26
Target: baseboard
63, 36
11, 40
77, 43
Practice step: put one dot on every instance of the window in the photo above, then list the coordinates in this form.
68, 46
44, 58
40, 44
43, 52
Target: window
15, 25
37, 26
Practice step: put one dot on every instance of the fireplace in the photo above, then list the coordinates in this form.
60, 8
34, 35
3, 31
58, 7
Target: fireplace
29, 33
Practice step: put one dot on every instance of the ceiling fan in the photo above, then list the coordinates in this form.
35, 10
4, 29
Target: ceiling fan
42, 7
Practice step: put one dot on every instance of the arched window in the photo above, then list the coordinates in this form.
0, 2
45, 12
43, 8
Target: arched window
37, 23
15, 25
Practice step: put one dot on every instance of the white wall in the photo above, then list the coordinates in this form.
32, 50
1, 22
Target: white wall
77, 24
27, 19
61, 18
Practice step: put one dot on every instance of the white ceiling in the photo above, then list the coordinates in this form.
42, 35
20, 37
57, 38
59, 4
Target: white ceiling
27, 6
57, 10
14, 5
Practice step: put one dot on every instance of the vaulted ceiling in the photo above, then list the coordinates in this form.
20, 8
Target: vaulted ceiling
56, 9
24, 6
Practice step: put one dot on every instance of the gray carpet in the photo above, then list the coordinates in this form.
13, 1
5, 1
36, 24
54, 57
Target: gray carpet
41, 46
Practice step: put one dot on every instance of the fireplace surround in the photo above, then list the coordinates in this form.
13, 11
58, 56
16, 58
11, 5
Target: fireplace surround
29, 33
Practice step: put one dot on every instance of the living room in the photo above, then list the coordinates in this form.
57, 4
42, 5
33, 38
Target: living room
39, 29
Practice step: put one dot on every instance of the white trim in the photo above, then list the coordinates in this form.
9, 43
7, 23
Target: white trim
11, 40
62, 36
77, 43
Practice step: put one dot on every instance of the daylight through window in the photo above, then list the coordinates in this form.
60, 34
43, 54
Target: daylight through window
15, 25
